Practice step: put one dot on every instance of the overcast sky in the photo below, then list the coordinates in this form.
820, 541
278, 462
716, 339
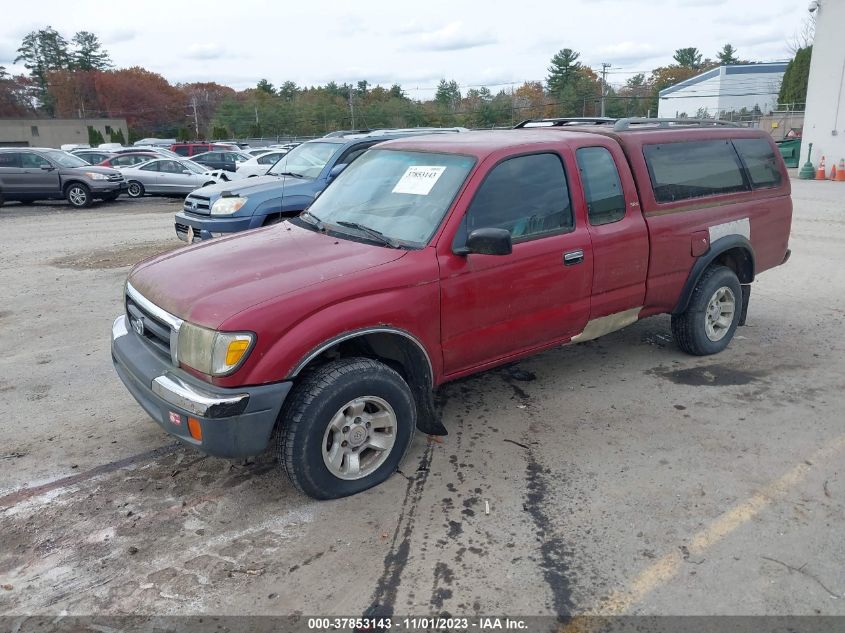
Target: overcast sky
415, 44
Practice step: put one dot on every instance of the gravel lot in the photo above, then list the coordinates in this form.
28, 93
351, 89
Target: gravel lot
621, 475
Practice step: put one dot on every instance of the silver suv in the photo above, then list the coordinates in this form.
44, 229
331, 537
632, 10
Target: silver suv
30, 174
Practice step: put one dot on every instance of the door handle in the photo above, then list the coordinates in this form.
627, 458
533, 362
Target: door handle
573, 257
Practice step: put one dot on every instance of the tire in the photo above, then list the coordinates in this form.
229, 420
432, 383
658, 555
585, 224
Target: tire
2, 199
707, 325
78, 195
135, 189
337, 401
26, 202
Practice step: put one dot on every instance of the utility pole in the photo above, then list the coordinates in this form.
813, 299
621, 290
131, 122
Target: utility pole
604, 67
196, 118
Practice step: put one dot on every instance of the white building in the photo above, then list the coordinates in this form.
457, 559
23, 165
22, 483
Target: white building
724, 89
824, 121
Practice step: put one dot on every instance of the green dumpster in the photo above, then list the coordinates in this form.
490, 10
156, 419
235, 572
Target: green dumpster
790, 149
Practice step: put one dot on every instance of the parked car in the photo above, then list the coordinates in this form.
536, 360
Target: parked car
155, 142
192, 149
261, 164
92, 156
435, 257
257, 151
225, 160
168, 176
158, 151
288, 187
129, 159
30, 174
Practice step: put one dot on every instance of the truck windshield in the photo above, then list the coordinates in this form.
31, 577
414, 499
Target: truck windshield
401, 194
305, 161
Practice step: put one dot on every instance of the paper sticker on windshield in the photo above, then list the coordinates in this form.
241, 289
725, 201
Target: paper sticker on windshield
419, 179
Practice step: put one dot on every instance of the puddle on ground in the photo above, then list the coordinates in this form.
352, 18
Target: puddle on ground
116, 257
708, 376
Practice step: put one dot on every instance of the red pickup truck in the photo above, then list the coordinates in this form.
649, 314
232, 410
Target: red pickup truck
435, 257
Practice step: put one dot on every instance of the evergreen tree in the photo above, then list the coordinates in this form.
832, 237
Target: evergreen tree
265, 86
88, 53
116, 136
448, 94
793, 89
688, 58
564, 67
43, 51
727, 55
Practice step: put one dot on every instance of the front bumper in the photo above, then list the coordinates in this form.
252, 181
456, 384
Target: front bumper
99, 187
206, 227
234, 422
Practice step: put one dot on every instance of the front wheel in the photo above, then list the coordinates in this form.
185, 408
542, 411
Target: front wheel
711, 318
135, 189
78, 195
346, 428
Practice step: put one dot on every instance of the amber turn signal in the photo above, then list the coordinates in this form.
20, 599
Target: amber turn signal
195, 429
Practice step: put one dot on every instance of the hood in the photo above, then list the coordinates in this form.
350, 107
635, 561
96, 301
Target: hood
212, 281
253, 186
96, 169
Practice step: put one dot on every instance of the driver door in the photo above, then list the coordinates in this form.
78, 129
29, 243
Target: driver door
498, 306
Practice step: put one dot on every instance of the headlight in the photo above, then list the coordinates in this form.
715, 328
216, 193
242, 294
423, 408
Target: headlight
96, 176
211, 352
227, 206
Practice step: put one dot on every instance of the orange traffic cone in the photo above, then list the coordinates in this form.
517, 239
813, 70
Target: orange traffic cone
840, 172
820, 172
833, 172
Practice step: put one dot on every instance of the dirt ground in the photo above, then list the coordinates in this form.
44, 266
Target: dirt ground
615, 477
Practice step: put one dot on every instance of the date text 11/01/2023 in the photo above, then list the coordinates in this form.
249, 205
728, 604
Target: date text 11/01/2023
417, 624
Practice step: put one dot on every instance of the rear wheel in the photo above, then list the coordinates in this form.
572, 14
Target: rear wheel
2, 198
711, 318
135, 189
78, 195
27, 202
346, 428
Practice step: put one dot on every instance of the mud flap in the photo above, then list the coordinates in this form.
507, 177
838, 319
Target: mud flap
428, 415
746, 297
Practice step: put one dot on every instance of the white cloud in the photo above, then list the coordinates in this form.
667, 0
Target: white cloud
454, 36
205, 51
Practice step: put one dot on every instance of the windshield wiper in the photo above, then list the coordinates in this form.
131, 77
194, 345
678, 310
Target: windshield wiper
378, 236
313, 220
287, 173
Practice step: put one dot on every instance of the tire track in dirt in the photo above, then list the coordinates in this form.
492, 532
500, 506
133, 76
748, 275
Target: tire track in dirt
383, 600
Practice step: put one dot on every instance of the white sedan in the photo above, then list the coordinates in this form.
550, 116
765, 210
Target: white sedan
259, 165
168, 176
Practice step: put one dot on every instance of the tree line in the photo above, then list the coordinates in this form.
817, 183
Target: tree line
76, 78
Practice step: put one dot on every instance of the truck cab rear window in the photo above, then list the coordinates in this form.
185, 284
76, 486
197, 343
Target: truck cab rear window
759, 158
680, 171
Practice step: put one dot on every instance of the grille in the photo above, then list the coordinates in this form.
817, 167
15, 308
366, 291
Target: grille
115, 177
156, 332
182, 231
197, 204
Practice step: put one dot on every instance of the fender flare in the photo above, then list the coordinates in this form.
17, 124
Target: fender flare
428, 413
717, 248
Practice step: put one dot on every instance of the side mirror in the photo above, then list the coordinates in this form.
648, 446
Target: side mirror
335, 171
47, 167
186, 171
487, 242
